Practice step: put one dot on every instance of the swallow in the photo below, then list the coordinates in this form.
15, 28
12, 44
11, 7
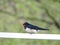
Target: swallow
32, 28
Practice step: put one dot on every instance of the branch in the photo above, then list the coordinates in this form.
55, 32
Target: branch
51, 17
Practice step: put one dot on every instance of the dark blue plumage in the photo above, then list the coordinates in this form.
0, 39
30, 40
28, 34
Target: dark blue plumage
27, 25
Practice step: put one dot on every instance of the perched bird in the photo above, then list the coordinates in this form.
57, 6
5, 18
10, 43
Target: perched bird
32, 28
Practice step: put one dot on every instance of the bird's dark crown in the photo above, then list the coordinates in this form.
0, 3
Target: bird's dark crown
26, 23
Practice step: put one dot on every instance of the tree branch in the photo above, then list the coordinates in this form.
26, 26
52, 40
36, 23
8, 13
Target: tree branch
51, 17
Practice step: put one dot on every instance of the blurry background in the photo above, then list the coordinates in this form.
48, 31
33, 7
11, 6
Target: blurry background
43, 13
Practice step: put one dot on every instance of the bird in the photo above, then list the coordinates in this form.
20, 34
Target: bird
32, 28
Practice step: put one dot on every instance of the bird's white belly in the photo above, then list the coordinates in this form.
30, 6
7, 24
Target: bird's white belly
30, 30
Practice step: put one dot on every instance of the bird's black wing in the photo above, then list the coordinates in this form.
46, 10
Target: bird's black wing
35, 27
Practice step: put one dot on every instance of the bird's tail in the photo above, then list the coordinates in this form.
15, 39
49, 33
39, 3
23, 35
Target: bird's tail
43, 29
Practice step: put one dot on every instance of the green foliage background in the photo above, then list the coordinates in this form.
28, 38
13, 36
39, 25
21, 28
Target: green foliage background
12, 11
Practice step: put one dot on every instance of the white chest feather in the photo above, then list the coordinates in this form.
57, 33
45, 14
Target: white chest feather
30, 30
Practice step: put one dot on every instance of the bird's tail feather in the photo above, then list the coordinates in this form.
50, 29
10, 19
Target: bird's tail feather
43, 29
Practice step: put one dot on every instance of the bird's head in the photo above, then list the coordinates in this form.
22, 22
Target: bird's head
25, 24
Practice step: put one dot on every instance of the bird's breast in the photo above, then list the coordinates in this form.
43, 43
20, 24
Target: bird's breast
30, 30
